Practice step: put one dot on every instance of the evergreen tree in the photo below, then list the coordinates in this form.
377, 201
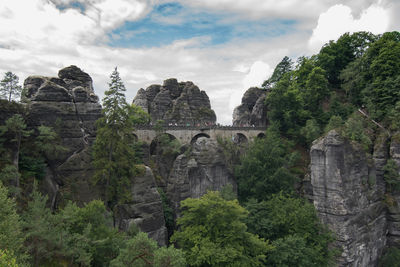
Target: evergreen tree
11, 238
285, 66
9, 87
266, 169
113, 151
17, 129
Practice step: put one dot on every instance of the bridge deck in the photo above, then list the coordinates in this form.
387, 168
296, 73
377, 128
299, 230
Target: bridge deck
188, 134
199, 128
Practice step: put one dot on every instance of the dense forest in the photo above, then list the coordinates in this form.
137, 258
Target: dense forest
352, 85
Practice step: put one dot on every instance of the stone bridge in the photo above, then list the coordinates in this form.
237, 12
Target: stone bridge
189, 134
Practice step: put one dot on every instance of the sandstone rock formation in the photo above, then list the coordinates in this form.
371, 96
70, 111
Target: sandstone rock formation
69, 105
348, 189
394, 206
202, 168
252, 111
177, 103
145, 209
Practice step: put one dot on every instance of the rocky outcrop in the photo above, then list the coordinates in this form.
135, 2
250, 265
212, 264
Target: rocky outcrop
394, 202
348, 189
68, 104
177, 103
253, 110
145, 209
202, 168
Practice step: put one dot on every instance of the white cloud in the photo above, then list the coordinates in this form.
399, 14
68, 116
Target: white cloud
339, 19
39, 39
112, 13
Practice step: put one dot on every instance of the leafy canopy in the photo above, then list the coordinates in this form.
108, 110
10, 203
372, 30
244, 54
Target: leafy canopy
212, 232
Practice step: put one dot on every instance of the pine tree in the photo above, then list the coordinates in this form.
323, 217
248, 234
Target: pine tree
11, 238
17, 129
9, 87
113, 151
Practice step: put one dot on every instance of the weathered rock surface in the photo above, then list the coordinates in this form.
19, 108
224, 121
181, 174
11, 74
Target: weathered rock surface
253, 110
348, 193
394, 206
145, 209
69, 105
193, 173
181, 103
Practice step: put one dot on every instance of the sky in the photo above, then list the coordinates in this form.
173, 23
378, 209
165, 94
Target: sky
223, 46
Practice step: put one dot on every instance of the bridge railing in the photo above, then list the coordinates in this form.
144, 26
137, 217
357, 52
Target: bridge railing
202, 128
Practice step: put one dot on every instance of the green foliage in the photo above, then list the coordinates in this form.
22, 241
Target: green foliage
138, 116
335, 122
285, 106
9, 88
142, 251
266, 168
392, 176
168, 211
11, 238
42, 238
139, 251
335, 56
48, 142
292, 226
311, 131
285, 66
381, 70
315, 91
169, 257
212, 233
354, 129
231, 152
7, 259
8, 174
227, 192
16, 129
168, 145
292, 251
391, 258
114, 154
76, 236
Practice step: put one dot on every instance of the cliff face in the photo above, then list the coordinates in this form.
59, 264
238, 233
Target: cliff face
68, 104
348, 190
252, 110
181, 103
145, 209
203, 168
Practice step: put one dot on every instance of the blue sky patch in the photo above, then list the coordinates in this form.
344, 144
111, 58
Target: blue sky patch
172, 21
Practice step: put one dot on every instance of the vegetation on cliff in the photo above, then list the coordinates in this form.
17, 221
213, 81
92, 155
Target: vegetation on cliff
351, 85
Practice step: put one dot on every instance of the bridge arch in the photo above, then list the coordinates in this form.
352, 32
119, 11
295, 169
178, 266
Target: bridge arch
197, 136
159, 140
135, 137
240, 138
261, 135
